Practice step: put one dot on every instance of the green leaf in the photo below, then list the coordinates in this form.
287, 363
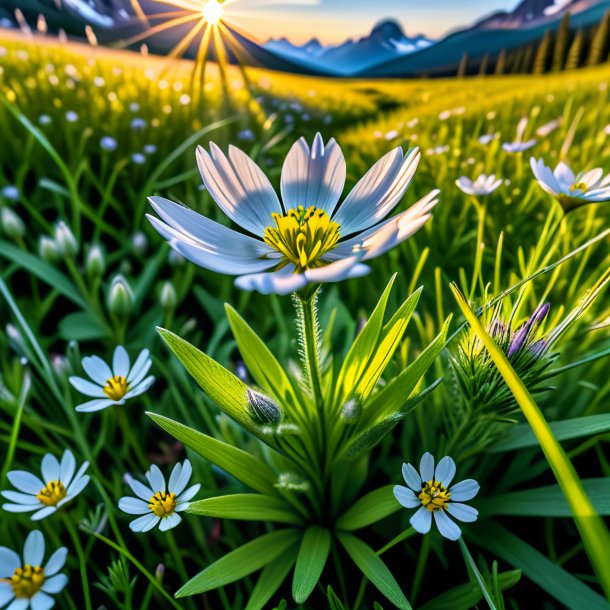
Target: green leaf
522, 435
262, 364
546, 501
244, 560
80, 326
240, 464
224, 388
477, 575
373, 567
246, 507
369, 509
556, 581
311, 560
271, 579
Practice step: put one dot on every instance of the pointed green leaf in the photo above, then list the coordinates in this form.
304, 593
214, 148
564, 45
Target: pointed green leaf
311, 560
244, 560
246, 507
240, 464
373, 567
369, 509
271, 579
474, 570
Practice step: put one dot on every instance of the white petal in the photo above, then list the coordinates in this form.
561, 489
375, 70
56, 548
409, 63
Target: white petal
421, 520
169, 522
462, 512
156, 479
56, 561
67, 467
144, 524
41, 601
120, 362
191, 492
50, 468
446, 526
313, 177
445, 471
283, 281
411, 477
25, 481
140, 388
564, 175
592, 177
33, 549
19, 604
133, 506
20, 498
174, 477
78, 484
20, 508
182, 479
97, 369
343, 269
465, 185
140, 367
426, 467
464, 490
95, 405
55, 584
43, 513
87, 387
6, 593
239, 187
9, 562
406, 496
139, 489
378, 192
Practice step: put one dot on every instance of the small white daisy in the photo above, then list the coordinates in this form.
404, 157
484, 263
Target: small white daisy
26, 584
159, 503
113, 386
516, 147
58, 486
483, 185
572, 191
430, 490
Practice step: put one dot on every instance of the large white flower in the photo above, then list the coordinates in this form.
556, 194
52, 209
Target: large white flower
27, 584
305, 238
113, 386
58, 486
572, 191
483, 185
159, 503
431, 490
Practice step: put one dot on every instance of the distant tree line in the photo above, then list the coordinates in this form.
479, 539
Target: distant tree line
564, 49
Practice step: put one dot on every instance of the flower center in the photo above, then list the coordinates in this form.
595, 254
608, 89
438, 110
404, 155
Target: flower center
434, 496
26, 581
52, 493
578, 186
303, 236
163, 504
116, 387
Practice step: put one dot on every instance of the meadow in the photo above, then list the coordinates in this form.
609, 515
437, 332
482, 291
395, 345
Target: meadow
89, 134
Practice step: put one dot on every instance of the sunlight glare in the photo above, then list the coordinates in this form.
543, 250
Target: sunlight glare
212, 11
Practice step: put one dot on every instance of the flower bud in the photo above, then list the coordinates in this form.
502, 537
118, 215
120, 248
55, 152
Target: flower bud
10, 192
12, 225
95, 264
139, 242
263, 409
291, 481
47, 249
160, 572
120, 297
61, 365
168, 296
64, 239
351, 411
175, 259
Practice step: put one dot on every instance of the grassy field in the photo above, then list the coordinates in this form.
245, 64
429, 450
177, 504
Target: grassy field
88, 134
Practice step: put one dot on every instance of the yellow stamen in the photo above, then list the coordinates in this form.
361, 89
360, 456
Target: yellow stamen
434, 496
52, 493
163, 504
26, 581
303, 236
578, 186
116, 387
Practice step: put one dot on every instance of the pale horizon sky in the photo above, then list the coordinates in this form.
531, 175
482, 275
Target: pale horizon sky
333, 21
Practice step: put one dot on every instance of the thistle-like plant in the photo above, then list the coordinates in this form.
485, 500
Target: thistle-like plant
313, 430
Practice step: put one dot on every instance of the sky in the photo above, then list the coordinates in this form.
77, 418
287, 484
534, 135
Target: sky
333, 21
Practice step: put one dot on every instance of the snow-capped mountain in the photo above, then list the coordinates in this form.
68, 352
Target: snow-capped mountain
386, 41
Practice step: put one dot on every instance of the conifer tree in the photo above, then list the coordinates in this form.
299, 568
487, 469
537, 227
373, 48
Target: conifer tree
526, 67
575, 52
463, 67
501, 63
484, 65
542, 54
600, 42
561, 43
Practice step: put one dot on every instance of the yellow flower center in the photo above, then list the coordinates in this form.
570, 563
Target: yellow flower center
52, 493
116, 387
163, 504
303, 236
434, 496
26, 581
578, 186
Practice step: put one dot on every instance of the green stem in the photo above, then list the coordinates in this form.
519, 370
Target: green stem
82, 559
10, 452
311, 347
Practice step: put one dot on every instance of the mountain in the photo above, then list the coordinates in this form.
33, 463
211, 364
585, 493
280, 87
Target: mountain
502, 31
386, 41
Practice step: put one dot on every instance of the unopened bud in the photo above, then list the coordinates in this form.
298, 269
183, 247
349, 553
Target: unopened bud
47, 249
96, 261
61, 365
175, 259
65, 239
120, 297
160, 572
168, 296
264, 410
291, 481
139, 241
12, 225
351, 411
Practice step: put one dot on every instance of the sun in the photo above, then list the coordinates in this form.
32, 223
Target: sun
212, 11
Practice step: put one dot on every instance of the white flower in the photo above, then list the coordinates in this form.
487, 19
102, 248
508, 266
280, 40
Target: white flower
515, 147
113, 386
108, 143
431, 490
58, 486
483, 185
487, 138
302, 240
571, 190
156, 502
548, 128
26, 583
